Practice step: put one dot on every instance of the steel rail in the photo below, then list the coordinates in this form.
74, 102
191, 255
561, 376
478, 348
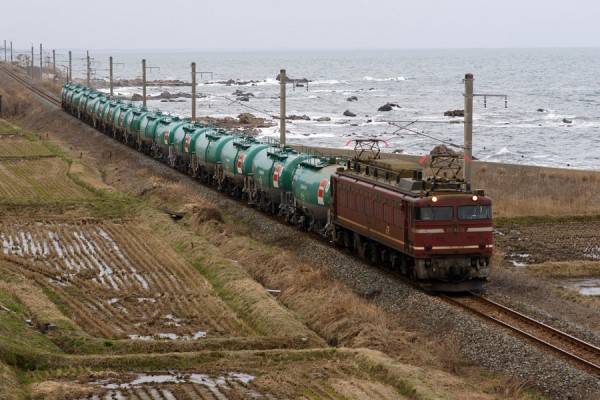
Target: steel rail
587, 364
31, 86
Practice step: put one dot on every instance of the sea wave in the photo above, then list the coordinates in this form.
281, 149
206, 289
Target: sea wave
370, 78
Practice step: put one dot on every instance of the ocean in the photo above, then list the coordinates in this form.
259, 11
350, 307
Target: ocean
551, 118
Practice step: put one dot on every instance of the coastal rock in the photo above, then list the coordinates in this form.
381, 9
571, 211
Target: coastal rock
298, 117
102, 83
166, 97
388, 107
454, 113
540, 110
297, 82
239, 92
567, 121
323, 119
352, 98
230, 82
249, 119
349, 113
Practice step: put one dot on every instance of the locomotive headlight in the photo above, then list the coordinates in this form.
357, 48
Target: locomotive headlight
474, 197
434, 199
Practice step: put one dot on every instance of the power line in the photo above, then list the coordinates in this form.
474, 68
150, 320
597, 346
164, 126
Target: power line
406, 128
250, 107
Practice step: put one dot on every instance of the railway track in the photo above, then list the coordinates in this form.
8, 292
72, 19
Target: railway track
36, 88
577, 352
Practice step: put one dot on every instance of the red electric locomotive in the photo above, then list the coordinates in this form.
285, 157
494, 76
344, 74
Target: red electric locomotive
436, 231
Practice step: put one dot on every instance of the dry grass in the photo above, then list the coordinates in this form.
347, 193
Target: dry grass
16, 101
9, 384
329, 308
200, 212
44, 178
565, 269
250, 300
19, 146
520, 190
25, 291
53, 390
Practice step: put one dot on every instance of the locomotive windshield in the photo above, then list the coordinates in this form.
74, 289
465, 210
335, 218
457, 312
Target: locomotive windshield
434, 213
474, 212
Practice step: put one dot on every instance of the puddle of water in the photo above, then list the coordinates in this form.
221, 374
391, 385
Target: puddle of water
199, 379
519, 256
171, 336
585, 286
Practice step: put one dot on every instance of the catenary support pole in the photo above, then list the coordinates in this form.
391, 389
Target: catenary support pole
193, 91
41, 63
110, 68
54, 64
5, 55
144, 81
32, 61
70, 71
468, 127
11, 53
87, 80
282, 82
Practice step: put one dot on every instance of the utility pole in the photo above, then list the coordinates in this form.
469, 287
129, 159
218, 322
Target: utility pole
468, 127
32, 61
282, 82
54, 63
5, 58
88, 69
70, 71
11, 53
144, 82
110, 62
193, 91
41, 63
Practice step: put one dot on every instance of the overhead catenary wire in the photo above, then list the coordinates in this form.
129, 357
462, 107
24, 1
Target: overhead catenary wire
232, 101
406, 128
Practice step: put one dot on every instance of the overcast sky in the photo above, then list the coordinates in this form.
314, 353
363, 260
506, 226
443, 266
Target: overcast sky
300, 24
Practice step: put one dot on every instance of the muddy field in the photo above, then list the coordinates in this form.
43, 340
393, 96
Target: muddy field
118, 280
116, 300
543, 242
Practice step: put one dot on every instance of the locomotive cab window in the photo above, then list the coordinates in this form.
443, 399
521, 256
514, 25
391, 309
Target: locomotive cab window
474, 212
434, 213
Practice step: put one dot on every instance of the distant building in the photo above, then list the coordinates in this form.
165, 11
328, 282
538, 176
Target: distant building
24, 60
